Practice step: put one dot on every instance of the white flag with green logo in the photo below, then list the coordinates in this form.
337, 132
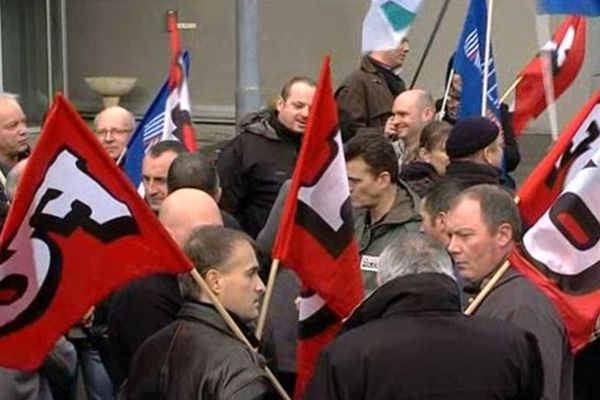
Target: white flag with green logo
387, 23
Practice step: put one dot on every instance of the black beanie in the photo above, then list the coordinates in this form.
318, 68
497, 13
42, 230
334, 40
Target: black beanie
470, 135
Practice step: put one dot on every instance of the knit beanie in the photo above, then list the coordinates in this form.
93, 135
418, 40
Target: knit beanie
470, 135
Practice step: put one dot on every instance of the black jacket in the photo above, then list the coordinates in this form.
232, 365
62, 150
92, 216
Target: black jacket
196, 357
409, 340
252, 168
473, 173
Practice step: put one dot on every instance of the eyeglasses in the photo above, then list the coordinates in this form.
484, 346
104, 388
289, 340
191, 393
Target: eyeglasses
112, 131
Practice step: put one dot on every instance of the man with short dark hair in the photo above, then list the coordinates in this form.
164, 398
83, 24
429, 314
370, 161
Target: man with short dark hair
155, 167
410, 340
193, 170
198, 356
365, 97
385, 206
254, 165
483, 224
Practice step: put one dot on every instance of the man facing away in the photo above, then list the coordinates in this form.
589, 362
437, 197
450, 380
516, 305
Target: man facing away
409, 340
483, 224
198, 356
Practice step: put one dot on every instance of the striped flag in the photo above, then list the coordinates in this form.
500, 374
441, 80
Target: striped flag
387, 23
169, 115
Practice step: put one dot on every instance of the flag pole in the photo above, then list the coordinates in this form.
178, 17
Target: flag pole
486, 66
262, 318
511, 89
543, 32
442, 112
234, 327
487, 288
430, 42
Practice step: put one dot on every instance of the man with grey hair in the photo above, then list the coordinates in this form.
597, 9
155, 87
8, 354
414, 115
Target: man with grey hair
410, 340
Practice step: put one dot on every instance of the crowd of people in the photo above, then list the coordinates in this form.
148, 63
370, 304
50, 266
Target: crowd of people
434, 219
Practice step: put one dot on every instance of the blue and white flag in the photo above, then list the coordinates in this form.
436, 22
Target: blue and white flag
149, 131
469, 64
590, 8
387, 23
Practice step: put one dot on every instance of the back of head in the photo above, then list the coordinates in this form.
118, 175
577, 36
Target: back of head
377, 152
434, 134
469, 136
193, 170
497, 207
174, 146
413, 253
441, 195
186, 209
210, 247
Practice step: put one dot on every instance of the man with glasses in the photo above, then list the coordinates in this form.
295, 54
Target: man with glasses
113, 126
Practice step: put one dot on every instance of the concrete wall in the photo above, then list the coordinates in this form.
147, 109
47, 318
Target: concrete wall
128, 37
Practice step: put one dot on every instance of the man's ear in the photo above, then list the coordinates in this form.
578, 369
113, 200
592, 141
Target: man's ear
279, 103
428, 114
440, 220
214, 281
384, 178
504, 235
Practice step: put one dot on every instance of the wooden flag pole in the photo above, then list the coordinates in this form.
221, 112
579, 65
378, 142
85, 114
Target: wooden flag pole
262, 317
234, 327
510, 89
487, 288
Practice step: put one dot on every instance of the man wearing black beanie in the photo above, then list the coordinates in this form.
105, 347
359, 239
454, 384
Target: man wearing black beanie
475, 148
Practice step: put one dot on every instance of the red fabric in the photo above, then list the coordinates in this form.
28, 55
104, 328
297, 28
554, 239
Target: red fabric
333, 274
530, 99
177, 79
579, 313
85, 266
545, 182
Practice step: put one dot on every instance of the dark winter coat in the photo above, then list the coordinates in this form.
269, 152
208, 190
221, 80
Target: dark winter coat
410, 341
252, 168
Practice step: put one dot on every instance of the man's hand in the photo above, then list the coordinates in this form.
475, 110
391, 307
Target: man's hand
390, 130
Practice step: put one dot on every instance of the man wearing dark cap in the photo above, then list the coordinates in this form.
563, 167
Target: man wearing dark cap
475, 148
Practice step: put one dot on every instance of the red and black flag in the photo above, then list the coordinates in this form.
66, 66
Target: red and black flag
566, 52
560, 202
316, 236
76, 231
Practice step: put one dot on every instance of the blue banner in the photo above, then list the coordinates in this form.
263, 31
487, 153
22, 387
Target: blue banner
580, 7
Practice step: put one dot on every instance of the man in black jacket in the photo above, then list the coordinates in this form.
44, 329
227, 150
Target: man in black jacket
254, 165
409, 339
198, 356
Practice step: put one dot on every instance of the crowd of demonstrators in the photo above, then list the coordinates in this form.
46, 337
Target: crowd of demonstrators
161, 336
409, 339
365, 97
254, 165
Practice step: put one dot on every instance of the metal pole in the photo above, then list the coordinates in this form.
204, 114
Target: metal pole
247, 93
430, 42
486, 62
63, 42
49, 51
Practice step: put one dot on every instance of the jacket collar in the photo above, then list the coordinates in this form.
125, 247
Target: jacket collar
208, 315
404, 209
473, 172
407, 294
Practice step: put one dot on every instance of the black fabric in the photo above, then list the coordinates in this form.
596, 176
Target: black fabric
470, 135
473, 173
252, 168
419, 175
229, 221
196, 357
393, 81
409, 340
136, 312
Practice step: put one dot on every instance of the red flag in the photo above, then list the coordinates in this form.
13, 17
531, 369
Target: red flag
573, 149
178, 122
76, 231
561, 202
316, 236
567, 50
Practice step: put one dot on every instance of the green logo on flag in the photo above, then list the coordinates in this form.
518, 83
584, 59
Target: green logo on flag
397, 16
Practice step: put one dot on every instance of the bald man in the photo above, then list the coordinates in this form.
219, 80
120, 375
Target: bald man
412, 110
14, 141
149, 304
112, 126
